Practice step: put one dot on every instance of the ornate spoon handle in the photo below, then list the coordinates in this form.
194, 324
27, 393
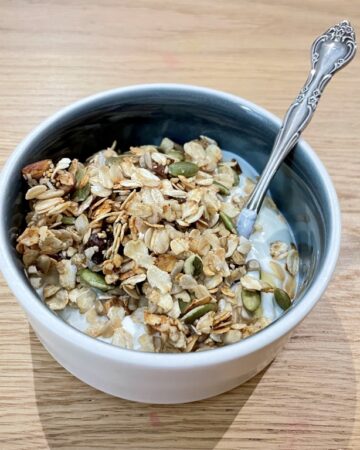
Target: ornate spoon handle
329, 53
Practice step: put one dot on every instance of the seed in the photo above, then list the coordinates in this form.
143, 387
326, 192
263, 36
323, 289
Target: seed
258, 313
282, 299
236, 178
114, 160
93, 279
198, 312
193, 265
251, 299
227, 222
182, 305
118, 159
175, 154
82, 194
79, 175
222, 189
66, 220
185, 168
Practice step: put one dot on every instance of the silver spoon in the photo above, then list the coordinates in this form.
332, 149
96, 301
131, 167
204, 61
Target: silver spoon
329, 53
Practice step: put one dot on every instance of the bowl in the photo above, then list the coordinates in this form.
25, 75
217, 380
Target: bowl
144, 114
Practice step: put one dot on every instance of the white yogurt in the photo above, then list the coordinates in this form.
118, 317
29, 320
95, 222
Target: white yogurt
274, 227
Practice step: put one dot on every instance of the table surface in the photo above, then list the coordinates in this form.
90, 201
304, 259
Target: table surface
55, 52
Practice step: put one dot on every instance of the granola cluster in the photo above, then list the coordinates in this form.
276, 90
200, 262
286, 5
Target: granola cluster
149, 234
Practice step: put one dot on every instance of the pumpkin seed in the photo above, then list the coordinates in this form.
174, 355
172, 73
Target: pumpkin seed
175, 154
82, 194
236, 178
79, 175
251, 299
198, 312
227, 222
258, 313
68, 220
118, 159
93, 279
282, 299
222, 189
185, 168
193, 266
182, 305
114, 160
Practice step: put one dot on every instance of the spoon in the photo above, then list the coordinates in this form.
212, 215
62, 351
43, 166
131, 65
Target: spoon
330, 52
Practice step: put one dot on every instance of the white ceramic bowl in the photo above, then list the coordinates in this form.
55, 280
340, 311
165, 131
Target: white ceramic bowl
142, 114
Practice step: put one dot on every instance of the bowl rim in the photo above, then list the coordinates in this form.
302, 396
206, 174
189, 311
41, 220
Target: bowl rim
29, 300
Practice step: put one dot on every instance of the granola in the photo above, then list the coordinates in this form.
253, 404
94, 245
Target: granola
142, 246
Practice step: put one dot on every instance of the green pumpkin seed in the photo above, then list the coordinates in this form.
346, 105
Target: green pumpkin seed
114, 160
193, 265
282, 299
79, 175
198, 312
236, 178
222, 189
258, 313
66, 220
182, 305
94, 279
185, 168
236, 167
227, 222
81, 194
175, 154
251, 299
118, 159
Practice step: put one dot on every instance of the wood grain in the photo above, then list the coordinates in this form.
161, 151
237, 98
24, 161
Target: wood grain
54, 52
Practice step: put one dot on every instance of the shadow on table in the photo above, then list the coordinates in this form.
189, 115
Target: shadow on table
76, 416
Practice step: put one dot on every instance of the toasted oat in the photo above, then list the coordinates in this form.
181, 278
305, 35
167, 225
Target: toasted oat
279, 249
148, 234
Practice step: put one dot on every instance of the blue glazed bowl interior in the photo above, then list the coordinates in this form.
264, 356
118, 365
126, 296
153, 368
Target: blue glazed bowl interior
142, 116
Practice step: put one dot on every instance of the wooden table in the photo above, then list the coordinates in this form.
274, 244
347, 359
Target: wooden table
55, 52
